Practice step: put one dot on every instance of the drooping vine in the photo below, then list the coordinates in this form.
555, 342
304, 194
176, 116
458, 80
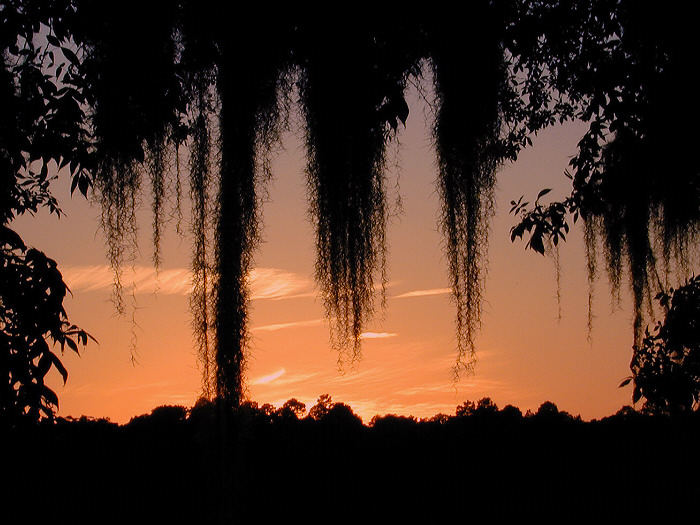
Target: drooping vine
128, 79
467, 135
200, 175
117, 198
248, 84
352, 95
156, 162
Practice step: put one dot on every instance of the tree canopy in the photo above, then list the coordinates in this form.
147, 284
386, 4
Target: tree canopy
117, 93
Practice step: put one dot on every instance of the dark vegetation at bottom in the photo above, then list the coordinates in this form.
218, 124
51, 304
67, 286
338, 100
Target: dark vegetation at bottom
256, 465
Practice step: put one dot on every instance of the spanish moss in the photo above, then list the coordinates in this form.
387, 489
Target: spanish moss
352, 94
199, 190
177, 208
554, 251
249, 119
467, 135
128, 118
156, 172
589, 241
117, 197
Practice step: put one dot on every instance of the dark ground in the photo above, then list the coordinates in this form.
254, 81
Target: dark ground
259, 466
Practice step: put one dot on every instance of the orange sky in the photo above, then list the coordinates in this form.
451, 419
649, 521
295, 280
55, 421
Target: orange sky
525, 355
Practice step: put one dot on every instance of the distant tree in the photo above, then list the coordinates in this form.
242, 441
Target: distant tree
169, 413
321, 408
248, 410
511, 412
292, 408
547, 409
486, 407
342, 416
161, 418
626, 413
393, 424
439, 419
268, 409
465, 409
203, 412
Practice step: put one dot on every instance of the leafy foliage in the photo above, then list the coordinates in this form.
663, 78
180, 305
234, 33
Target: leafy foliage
625, 71
41, 123
31, 316
42, 117
666, 365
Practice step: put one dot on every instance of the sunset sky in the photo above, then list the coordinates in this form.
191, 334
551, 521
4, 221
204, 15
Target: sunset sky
525, 354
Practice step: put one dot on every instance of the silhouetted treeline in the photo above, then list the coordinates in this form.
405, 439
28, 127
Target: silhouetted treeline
259, 464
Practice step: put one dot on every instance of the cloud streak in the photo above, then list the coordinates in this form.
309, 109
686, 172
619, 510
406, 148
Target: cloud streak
282, 378
264, 283
145, 279
274, 283
424, 293
377, 335
269, 378
282, 326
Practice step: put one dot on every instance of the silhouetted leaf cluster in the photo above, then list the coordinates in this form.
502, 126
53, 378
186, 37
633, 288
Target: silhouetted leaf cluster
41, 101
666, 365
625, 67
41, 121
32, 321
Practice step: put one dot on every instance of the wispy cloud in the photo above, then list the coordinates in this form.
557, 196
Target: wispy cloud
424, 293
265, 283
160, 385
315, 322
377, 335
262, 380
290, 379
145, 279
282, 326
282, 378
274, 283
